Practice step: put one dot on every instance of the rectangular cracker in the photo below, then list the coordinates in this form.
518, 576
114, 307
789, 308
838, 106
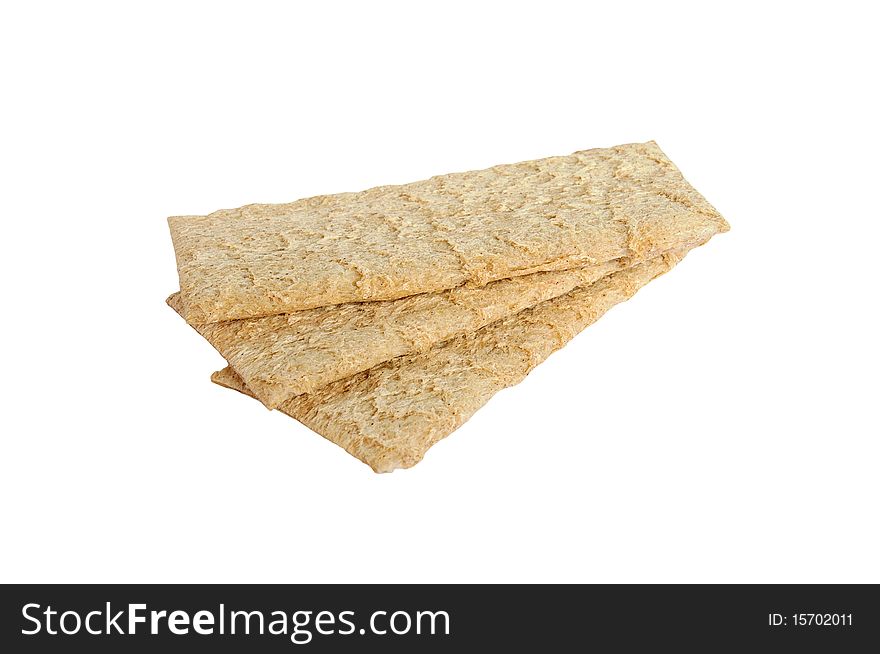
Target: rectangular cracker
284, 355
390, 415
476, 227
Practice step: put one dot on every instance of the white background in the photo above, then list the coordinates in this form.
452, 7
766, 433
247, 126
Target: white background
721, 426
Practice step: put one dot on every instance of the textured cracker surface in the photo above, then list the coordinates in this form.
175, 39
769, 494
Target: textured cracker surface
390, 415
280, 356
465, 228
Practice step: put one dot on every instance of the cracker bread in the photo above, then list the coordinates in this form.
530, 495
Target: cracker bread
389, 242
390, 415
280, 356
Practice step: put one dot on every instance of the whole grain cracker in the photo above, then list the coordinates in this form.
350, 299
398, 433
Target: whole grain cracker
390, 415
389, 242
280, 356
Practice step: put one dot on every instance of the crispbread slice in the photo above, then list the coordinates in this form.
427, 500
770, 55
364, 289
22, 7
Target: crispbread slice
280, 356
389, 242
390, 415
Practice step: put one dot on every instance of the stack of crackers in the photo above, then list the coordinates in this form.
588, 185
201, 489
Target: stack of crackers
384, 319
